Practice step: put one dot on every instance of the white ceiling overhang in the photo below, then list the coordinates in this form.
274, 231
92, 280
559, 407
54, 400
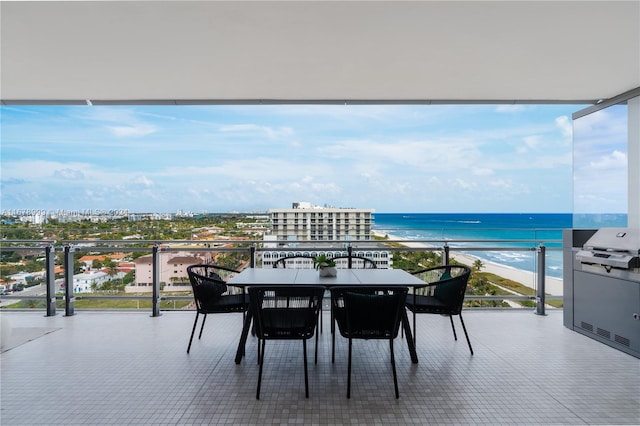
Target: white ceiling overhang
316, 51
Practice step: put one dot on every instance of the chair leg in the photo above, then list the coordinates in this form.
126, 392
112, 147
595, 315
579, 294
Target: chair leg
260, 361
204, 318
453, 327
349, 371
415, 333
193, 331
306, 375
393, 367
259, 351
253, 333
466, 335
316, 360
333, 344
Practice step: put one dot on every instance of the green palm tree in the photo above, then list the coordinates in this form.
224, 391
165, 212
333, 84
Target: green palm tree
478, 265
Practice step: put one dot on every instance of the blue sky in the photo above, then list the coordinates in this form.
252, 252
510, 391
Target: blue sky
392, 158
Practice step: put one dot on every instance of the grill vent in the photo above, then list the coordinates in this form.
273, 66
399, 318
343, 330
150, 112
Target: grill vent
622, 340
586, 326
604, 333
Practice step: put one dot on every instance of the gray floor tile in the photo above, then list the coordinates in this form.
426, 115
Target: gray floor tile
102, 368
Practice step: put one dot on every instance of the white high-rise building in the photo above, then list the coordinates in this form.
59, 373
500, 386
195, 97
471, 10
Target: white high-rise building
314, 230
305, 222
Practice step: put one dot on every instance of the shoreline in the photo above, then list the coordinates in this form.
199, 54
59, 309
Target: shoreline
553, 285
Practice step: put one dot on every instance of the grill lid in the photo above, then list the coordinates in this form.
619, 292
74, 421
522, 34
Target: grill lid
612, 247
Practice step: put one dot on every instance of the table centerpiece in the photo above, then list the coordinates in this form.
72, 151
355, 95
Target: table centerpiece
325, 266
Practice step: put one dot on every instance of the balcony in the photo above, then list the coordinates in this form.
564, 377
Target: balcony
59, 293
99, 367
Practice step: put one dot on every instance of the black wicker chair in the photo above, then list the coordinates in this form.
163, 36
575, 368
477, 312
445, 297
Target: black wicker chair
443, 293
286, 312
299, 262
212, 295
295, 262
349, 262
356, 262
372, 312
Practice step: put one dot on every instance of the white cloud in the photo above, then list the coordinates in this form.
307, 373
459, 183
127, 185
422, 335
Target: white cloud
68, 174
434, 181
427, 154
463, 184
13, 181
565, 126
532, 141
142, 181
120, 122
560, 161
34, 170
391, 158
132, 131
615, 161
501, 183
270, 132
482, 171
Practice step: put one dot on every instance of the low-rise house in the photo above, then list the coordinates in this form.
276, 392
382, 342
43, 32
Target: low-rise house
86, 282
116, 257
173, 271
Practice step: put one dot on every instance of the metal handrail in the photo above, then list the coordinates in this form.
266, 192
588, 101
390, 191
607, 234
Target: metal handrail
252, 248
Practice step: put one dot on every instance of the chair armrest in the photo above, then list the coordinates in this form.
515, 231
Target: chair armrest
224, 268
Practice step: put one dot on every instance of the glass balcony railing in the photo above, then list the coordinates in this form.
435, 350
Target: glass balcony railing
151, 274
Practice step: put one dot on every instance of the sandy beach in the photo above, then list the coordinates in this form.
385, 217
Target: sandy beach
553, 285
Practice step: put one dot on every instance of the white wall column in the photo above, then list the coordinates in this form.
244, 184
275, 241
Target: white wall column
633, 152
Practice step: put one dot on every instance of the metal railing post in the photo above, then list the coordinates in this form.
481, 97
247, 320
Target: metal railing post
445, 258
51, 280
252, 254
155, 303
540, 299
69, 298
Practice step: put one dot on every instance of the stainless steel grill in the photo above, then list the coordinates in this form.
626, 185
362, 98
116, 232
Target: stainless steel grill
611, 248
601, 294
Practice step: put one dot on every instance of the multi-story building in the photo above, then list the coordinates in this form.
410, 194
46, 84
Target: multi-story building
306, 222
382, 259
88, 281
330, 230
173, 270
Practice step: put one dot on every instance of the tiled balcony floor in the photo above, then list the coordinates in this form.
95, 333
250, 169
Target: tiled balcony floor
129, 368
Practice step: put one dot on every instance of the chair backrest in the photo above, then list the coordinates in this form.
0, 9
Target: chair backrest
368, 312
295, 262
447, 283
208, 283
354, 262
285, 311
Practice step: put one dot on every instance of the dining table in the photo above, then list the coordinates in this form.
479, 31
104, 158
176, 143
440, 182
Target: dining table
344, 277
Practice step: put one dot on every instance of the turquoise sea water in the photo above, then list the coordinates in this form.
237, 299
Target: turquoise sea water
532, 227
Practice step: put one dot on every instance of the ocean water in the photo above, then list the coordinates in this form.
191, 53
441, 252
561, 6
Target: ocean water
529, 228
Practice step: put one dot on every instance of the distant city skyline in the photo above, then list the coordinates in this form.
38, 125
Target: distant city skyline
238, 158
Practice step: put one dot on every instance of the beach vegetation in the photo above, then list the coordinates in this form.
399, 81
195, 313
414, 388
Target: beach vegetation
479, 286
486, 283
480, 283
412, 261
478, 265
